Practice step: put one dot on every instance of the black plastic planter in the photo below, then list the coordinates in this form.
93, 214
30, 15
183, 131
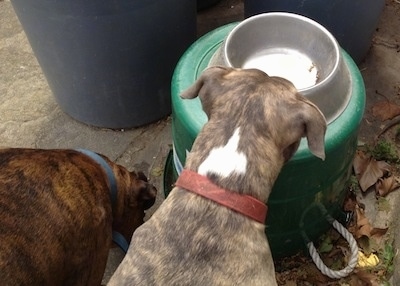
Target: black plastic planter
352, 22
109, 63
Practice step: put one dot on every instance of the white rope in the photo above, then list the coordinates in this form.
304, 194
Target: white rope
335, 274
353, 258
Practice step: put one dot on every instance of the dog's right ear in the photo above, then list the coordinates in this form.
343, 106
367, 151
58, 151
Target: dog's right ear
315, 129
148, 196
208, 74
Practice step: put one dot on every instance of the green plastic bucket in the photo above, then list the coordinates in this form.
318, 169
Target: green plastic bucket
303, 181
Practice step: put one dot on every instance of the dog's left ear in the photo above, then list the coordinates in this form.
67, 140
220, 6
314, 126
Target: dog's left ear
315, 129
210, 73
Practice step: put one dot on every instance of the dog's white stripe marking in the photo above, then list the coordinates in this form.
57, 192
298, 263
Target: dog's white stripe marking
225, 160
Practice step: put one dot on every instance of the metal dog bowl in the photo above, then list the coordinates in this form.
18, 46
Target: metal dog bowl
305, 180
293, 47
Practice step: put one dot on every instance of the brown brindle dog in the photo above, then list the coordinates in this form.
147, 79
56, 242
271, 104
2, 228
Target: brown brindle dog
56, 215
255, 123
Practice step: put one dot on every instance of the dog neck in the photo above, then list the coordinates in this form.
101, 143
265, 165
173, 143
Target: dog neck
117, 238
234, 162
109, 172
243, 204
225, 160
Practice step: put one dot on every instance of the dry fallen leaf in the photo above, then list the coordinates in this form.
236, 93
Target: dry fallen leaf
369, 278
360, 162
386, 185
368, 171
385, 110
378, 232
350, 202
364, 227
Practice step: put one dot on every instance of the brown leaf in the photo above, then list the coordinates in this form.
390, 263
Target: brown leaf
350, 202
385, 110
369, 278
368, 171
360, 162
386, 185
364, 227
355, 281
378, 232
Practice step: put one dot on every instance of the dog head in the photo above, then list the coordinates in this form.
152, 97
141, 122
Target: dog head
255, 124
135, 195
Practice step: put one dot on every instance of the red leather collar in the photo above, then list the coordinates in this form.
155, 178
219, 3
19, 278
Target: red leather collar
243, 204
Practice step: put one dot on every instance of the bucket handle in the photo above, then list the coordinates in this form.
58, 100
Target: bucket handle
335, 274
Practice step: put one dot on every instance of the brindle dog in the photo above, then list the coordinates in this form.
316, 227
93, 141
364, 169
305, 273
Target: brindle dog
255, 123
56, 215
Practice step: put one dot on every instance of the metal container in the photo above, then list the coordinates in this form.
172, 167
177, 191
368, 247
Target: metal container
304, 180
293, 47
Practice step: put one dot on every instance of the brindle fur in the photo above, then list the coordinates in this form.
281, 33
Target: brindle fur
194, 241
56, 217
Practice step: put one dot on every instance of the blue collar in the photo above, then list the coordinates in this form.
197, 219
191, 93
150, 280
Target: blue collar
118, 238
110, 174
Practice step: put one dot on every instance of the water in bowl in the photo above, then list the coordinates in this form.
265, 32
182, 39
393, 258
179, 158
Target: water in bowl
289, 64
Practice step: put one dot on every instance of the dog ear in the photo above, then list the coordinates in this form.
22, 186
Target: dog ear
142, 176
315, 129
148, 195
208, 74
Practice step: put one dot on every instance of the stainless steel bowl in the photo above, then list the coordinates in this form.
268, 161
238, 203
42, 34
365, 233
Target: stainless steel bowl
296, 48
